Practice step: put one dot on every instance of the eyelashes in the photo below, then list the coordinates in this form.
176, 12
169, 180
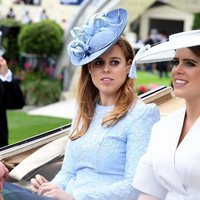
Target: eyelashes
174, 62
101, 63
186, 63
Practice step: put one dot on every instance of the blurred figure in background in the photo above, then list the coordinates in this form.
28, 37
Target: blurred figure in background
11, 97
163, 67
43, 15
10, 13
26, 19
152, 39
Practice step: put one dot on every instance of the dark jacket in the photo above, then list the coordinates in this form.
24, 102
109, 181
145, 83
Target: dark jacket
11, 97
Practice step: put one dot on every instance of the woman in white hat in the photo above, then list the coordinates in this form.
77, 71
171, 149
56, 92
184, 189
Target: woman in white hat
170, 168
111, 128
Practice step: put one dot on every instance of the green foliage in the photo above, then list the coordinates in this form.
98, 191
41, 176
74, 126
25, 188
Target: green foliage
9, 22
196, 23
39, 89
43, 38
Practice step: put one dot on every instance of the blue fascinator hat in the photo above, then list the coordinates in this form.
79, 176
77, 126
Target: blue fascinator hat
95, 37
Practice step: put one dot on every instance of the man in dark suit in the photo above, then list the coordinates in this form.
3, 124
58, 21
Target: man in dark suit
11, 97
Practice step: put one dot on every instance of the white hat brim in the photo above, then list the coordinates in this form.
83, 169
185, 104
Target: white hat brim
165, 51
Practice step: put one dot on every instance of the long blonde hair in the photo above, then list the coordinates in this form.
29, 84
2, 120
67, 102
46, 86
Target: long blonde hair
87, 95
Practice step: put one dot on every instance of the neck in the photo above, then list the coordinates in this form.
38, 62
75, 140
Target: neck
106, 101
193, 110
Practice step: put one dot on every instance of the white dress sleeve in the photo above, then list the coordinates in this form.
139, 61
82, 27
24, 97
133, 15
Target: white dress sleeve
145, 179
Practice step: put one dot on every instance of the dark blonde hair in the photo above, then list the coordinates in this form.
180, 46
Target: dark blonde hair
87, 95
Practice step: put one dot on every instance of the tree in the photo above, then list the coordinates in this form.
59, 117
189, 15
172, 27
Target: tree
42, 38
196, 23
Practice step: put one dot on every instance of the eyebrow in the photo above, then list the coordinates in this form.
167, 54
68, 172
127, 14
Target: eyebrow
186, 59
100, 58
115, 58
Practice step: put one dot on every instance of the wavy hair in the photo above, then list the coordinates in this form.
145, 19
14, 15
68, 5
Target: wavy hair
87, 96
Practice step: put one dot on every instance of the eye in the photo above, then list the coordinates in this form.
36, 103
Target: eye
175, 62
186, 63
114, 62
190, 64
97, 62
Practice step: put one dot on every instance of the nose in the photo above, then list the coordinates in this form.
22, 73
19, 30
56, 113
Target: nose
178, 68
106, 68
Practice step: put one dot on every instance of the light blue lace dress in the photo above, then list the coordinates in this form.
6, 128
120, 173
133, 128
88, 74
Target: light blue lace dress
101, 164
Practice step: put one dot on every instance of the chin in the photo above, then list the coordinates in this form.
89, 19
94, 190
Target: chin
179, 93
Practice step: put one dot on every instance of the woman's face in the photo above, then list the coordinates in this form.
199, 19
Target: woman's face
109, 71
186, 74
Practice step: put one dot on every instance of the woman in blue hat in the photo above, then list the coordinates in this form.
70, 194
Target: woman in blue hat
111, 128
170, 168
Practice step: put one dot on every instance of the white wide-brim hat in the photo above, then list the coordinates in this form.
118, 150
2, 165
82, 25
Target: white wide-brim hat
97, 36
165, 51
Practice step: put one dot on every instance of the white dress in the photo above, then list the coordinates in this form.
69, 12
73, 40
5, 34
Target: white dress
169, 171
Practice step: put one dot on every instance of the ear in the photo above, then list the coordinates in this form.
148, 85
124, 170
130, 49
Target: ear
89, 69
129, 65
129, 62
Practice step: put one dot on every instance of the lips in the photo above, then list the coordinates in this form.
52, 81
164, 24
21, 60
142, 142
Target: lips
106, 79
